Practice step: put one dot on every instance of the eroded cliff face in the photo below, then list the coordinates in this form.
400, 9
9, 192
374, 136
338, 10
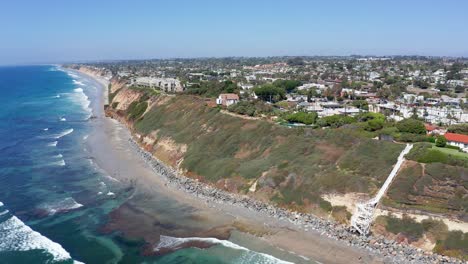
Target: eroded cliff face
123, 98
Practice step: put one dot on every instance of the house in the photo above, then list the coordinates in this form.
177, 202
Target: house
458, 140
227, 99
434, 130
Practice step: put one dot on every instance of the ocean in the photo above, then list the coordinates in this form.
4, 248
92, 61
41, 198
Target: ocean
55, 201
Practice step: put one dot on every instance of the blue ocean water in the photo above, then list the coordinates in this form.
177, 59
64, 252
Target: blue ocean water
53, 200
49, 202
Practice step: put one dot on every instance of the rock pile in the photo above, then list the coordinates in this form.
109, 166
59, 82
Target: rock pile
391, 251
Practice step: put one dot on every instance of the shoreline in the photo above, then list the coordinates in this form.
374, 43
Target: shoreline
344, 242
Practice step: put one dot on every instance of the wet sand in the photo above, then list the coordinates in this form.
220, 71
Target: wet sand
154, 208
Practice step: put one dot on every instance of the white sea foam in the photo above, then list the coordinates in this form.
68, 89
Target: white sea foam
58, 156
1, 204
60, 163
63, 119
52, 144
15, 235
72, 75
57, 96
66, 204
45, 129
4, 212
110, 193
85, 137
81, 98
175, 242
64, 133
78, 82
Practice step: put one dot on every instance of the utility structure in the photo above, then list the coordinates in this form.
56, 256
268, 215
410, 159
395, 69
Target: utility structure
364, 213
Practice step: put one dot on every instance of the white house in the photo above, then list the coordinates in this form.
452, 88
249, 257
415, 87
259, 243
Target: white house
227, 99
458, 140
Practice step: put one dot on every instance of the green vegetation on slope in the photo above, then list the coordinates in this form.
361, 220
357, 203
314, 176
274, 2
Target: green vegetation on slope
299, 164
450, 243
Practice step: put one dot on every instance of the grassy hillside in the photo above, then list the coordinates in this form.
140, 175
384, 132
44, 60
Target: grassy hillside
293, 165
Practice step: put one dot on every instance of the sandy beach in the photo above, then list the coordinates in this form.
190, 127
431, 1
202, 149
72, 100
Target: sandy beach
160, 196
111, 151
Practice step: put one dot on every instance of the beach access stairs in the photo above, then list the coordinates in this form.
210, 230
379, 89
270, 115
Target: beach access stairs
364, 212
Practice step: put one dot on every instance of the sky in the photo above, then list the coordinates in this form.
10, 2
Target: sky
59, 31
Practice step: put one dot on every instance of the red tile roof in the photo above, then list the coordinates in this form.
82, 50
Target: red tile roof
229, 96
456, 137
429, 127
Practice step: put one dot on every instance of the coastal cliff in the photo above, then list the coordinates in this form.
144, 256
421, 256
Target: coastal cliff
291, 168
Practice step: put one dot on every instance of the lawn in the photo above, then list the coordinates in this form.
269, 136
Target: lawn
452, 152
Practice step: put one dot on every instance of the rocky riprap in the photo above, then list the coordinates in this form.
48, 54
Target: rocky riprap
390, 250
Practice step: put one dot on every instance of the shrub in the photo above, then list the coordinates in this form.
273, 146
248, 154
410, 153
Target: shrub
411, 125
136, 110
374, 124
453, 147
441, 141
302, 117
325, 205
251, 108
406, 226
410, 137
335, 121
459, 129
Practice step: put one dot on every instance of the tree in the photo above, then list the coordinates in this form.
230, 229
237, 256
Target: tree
441, 141
411, 125
270, 92
288, 85
296, 61
459, 89
302, 117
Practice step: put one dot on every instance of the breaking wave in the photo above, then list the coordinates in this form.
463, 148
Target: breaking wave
4, 212
52, 144
63, 119
60, 163
81, 98
64, 205
64, 133
78, 82
15, 235
167, 242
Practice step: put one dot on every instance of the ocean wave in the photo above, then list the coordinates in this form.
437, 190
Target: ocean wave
58, 156
4, 212
45, 129
167, 242
72, 75
63, 119
64, 205
79, 97
85, 137
64, 133
15, 235
52, 144
1, 204
78, 82
57, 96
60, 163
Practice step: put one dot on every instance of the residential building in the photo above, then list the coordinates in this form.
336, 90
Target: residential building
227, 99
458, 140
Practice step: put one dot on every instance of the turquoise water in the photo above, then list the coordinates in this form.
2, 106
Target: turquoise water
54, 202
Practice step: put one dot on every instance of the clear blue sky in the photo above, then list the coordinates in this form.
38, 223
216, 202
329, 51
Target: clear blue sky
44, 31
